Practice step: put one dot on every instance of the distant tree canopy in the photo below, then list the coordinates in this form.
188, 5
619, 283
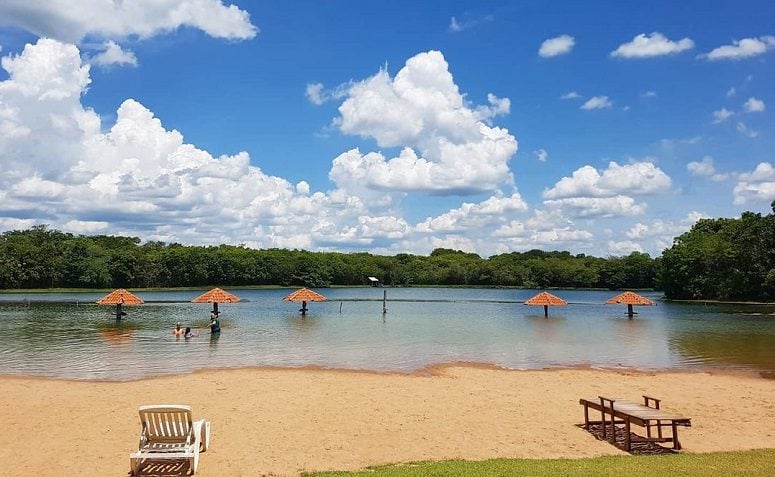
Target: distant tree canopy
44, 258
723, 259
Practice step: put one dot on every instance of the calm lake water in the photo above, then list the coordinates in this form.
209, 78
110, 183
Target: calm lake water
66, 335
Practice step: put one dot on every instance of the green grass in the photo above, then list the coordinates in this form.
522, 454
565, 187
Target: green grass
749, 463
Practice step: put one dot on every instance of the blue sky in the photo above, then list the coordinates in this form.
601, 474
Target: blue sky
594, 127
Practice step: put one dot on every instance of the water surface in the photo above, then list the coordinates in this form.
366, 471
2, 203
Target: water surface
66, 335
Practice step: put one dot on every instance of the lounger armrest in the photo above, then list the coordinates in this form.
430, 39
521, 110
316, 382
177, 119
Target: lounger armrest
201, 430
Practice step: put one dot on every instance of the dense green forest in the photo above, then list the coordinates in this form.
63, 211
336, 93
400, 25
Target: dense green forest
727, 259
716, 259
44, 258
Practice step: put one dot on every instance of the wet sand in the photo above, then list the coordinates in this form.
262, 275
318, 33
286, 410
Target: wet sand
283, 421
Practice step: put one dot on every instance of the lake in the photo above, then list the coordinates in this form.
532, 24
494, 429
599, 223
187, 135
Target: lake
66, 335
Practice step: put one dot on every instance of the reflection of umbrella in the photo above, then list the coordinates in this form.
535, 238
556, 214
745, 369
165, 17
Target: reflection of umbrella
215, 296
629, 298
120, 297
304, 295
546, 300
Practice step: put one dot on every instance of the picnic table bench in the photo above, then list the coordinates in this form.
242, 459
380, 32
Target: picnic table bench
648, 415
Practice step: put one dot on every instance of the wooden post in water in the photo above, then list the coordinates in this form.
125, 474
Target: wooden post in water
546, 311
384, 301
340, 307
629, 311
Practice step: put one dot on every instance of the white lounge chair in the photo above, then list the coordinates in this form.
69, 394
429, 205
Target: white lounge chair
169, 433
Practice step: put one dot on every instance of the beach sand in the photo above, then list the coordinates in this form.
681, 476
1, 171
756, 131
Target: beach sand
283, 421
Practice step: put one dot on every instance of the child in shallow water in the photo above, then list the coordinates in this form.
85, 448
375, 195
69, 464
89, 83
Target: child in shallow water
189, 333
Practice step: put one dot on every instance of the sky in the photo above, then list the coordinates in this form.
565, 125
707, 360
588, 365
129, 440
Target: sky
387, 127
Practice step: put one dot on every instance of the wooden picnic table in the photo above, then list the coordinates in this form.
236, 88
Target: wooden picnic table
648, 415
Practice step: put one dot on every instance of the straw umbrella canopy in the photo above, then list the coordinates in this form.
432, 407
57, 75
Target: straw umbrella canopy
120, 297
304, 295
215, 296
629, 298
546, 300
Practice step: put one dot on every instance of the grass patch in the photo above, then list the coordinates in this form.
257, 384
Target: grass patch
752, 463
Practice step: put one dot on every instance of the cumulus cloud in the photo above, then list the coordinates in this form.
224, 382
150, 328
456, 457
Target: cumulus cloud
117, 20
721, 115
756, 186
597, 102
648, 46
471, 216
588, 193
559, 45
639, 178
64, 167
705, 168
114, 54
658, 234
754, 105
541, 155
447, 145
745, 48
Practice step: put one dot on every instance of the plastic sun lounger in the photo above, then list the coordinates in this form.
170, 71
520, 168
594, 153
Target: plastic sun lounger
648, 415
169, 433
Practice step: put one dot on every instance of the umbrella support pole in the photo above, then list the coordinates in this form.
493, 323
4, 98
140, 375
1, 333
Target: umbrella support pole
546, 311
630, 313
303, 308
384, 301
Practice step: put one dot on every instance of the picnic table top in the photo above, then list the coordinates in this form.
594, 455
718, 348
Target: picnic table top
637, 410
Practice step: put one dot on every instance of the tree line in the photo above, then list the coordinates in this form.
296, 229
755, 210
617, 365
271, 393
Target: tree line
724, 258
41, 257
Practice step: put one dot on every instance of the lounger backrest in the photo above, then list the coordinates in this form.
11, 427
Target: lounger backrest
166, 423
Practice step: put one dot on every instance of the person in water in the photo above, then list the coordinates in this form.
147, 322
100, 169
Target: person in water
178, 331
189, 333
215, 323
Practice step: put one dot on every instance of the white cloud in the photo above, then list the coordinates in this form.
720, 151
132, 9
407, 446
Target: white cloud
113, 54
722, 115
541, 155
623, 247
141, 179
705, 168
456, 25
753, 105
659, 233
588, 193
647, 46
606, 207
313, 93
422, 110
559, 45
745, 48
746, 131
649, 94
756, 186
117, 20
571, 95
639, 178
469, 217
597, 102
731, 92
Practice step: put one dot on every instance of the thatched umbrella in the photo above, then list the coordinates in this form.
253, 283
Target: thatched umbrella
629, 298
546, 300
215, 296
120, 297
304, 295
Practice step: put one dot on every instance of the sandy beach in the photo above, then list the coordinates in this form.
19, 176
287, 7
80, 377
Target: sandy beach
284, 421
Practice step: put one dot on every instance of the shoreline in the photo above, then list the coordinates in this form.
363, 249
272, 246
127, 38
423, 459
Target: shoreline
282, 421
429, 370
